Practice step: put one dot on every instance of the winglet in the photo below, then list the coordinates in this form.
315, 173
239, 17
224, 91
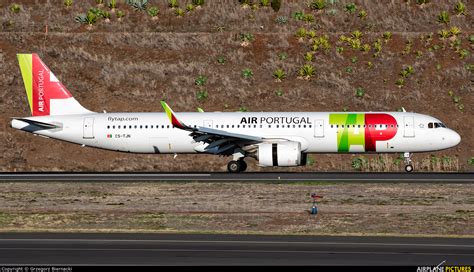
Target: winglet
172, 116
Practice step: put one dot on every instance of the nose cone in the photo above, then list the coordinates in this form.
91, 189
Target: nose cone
455, 138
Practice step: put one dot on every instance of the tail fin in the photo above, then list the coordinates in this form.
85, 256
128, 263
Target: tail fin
46, 95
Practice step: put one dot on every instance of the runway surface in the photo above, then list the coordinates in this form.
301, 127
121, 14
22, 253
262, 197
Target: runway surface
255, 176
180, 249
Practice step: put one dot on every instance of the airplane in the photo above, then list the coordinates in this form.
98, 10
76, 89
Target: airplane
272, 138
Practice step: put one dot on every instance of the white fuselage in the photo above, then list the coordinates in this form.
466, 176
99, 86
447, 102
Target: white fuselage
316, 131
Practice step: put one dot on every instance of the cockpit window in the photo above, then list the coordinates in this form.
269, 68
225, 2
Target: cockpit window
437, 125
442, 125
430, 125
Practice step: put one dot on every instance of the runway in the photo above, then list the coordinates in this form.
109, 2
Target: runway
250, 176
181, 249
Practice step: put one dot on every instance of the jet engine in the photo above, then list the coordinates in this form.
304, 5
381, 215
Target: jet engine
280, 154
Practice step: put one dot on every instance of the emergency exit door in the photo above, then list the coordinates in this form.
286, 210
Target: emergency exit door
88, 128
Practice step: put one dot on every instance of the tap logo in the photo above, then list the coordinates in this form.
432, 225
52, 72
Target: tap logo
362, 129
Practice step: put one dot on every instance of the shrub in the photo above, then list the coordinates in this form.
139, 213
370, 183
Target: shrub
246, 37
179, 12
360, 92
455, 31
471, 161
400, 82
99, 2
282, 56
276, 4
358, 163
265, 3
198, 3
200, 80
362, 14
422, 2
301, 32
243, 109
281, 20
173, 3
365, 48
279, 92
357, 34
308, 57
460, 8
279, 74
298, 15
318, 4
443, 34
377, 46
137, 4
307, 71
443, 17
349, 69
68, 3
351, 8
339, 49
354, 59
113, 4
247, 73
120, 14
106, 15
387, 35
153, 11
463, 53
201, 95
309, 18
311, 34
221, 60
189, 7
15, 8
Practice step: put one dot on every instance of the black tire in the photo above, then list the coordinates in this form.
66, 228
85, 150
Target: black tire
409, 168
234, 167
243, 165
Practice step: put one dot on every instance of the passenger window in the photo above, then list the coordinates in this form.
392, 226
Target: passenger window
227, 126
113, 127
135, 126
254, 126
130, 126
146, 126
331, 126
167, 126
118, 127
108, 127
278, 126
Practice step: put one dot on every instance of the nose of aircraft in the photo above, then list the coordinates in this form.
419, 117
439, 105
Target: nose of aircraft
454, 137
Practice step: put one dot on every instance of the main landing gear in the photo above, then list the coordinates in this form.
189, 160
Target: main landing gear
237, 166
408, 165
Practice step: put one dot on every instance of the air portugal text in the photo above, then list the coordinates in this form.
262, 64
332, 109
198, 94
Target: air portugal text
275, 120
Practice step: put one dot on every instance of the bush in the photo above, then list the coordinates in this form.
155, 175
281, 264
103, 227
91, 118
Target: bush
358, 163
198, 2
422, 2
279, 74
15, 8
298, 15
189, 7
318, 4
68, 3
265, 3
247, 73
362, 14
221, 60
243, 109
113, 4
120, 14
276, 5
179, 12
309, 18
282, 56
201, 95
281, 20
153, 11
307, 71
443, 17
360, 92
137, 4
471, 161
460, 8
301, 33
173, 3
351, 8
279, 92
308, 57
200, 80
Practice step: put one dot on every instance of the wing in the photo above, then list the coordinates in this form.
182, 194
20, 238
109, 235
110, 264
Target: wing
219, 142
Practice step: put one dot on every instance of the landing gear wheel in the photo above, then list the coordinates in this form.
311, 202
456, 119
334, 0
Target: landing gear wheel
408, 165
234, 167
243, 164
409, 168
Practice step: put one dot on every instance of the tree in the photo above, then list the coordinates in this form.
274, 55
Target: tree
276, 4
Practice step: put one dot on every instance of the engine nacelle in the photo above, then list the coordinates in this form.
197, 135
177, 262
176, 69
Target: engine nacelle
279, 154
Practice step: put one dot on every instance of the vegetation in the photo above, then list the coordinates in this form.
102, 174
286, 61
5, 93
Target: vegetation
308, 57
282, 56
15, 8
189, 7
359, 162
68, 3
443, 17
471, 161
120, 14
246, 38
173, 4
351, 8
362, 14
460, 8
318, 4
153, 12
247, 73
198, 3
139, 5
201, 95
179, 12
282, 20
387, 35
307, 71
279, 92
279, 74
200, 80
221, 60
360, 92
113, 4
276, 5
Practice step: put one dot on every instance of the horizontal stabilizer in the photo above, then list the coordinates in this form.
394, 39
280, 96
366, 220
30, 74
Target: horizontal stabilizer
37, 123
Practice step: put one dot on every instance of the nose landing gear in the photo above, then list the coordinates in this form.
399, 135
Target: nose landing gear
237, 166
408, 165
